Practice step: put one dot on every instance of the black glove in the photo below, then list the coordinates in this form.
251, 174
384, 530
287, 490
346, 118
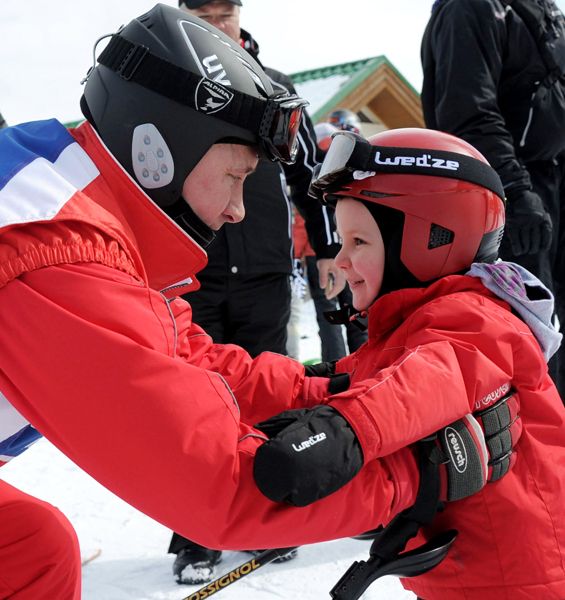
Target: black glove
528, 225
311, 454
478, 449
322, 369
339, 382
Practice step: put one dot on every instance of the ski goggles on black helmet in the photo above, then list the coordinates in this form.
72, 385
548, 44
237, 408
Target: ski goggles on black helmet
351, 157
279, 127
273, 120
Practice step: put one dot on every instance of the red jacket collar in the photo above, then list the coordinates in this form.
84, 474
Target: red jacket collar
170, 256
390, 310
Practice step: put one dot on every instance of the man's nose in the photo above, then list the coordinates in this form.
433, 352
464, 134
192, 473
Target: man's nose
235, 211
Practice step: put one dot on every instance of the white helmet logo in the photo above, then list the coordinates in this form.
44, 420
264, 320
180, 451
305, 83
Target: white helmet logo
211, 97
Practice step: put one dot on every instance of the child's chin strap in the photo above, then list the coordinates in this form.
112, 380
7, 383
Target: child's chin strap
347, 315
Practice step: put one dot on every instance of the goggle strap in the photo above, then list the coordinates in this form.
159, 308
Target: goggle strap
415, 161
136, 63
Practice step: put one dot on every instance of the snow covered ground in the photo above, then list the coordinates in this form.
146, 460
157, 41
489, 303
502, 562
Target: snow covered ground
133, 564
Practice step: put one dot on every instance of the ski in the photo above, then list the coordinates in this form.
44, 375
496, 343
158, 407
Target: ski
266, 557
91, 557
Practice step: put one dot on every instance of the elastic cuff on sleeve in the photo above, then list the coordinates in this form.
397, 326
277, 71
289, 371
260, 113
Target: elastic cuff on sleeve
315, 391
364, 427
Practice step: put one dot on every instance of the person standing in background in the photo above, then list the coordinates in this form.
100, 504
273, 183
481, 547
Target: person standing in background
344, 119
494, 75
245, 294
332, 344
355, 329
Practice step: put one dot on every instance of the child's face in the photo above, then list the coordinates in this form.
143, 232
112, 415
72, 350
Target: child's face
362, 255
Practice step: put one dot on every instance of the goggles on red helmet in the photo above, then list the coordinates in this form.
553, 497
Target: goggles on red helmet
351, 157
274, 120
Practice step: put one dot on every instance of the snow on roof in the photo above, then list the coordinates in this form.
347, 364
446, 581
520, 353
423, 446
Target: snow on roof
324, 87
327, 87
317, 91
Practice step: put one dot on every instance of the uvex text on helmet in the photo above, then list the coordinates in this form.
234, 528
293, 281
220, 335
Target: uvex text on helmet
167, 88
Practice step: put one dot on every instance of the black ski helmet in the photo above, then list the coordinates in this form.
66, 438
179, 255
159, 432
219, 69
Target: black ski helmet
168, 87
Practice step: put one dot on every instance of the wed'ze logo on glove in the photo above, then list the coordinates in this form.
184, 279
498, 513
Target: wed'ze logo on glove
313, 439
284, 472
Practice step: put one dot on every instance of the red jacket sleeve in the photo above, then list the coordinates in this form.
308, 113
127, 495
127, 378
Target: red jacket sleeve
97, 362
453, 352
264, 386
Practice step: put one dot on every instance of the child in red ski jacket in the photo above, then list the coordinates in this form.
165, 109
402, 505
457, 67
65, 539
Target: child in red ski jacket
420, 214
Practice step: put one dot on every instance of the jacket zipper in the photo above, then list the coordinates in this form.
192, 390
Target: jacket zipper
175, 331
530, 117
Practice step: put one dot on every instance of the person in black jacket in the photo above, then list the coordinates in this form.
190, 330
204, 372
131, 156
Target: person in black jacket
494, 75
244, 297
2, 122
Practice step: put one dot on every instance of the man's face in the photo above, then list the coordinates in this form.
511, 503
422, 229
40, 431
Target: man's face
214, 188
223, 15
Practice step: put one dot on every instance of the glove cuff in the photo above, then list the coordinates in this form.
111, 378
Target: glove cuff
463, 444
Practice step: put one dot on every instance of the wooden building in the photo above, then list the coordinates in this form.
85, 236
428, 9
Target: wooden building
373, 88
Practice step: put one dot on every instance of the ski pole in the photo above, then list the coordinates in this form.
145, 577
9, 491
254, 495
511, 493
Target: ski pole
361, 574
266, 557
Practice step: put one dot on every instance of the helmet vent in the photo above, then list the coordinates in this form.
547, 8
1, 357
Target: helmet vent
372, 194
146, 20
439, 236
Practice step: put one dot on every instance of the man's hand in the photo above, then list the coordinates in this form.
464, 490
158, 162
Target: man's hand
478, 449
528, 225
332, 279
311, 454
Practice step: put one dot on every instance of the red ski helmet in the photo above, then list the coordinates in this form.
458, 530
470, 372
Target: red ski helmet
449, 202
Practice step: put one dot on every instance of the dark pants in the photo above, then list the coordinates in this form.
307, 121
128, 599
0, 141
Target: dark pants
178, 543
331, 337
251, 312
548, 180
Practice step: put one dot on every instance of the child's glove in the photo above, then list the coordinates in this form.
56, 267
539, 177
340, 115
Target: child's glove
321, 369
477, 449
339, 382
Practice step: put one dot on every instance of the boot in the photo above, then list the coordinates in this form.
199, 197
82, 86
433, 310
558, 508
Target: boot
196, 565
